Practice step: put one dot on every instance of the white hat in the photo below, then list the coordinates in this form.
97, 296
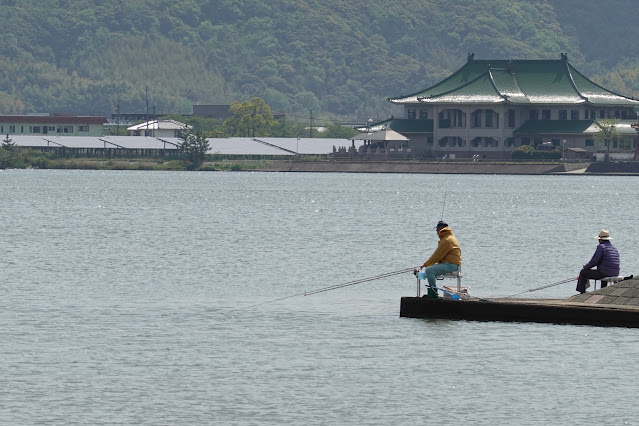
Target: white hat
603, 235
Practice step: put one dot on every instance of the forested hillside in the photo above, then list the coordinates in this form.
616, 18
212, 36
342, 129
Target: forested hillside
338, 58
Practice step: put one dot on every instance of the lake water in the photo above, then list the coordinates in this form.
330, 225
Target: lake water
127, 298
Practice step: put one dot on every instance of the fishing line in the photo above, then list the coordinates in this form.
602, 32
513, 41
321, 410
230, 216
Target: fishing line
332, 287
546, 286
444, 205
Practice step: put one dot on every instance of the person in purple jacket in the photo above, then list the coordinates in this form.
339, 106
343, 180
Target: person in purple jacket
606, 259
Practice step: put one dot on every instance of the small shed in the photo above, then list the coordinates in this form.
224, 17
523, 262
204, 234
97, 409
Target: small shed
576, 154
158, 128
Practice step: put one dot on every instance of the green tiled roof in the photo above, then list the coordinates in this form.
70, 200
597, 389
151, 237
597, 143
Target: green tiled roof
481, 89
517, 82
624, 127
400, 125
557, 127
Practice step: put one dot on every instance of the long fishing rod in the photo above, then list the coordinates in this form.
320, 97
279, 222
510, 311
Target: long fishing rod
332, 287
545, 286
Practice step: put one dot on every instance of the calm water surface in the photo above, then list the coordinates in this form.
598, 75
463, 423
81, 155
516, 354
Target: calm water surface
126, 299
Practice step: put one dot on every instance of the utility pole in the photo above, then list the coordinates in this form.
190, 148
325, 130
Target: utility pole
146, 90
117, 123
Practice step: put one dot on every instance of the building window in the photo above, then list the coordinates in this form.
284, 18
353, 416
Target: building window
491, 142
602, 113
68, 129
12, 129
545, 114
477, 118
574, 114
1, 129
444, 123
36, 129
411, 114
593, 114
511, 118
537, 141
563, 114
556, 142
590, 142
525, 141
458, 118
443, 142
423, 114
83, 128
489, 118
534, 114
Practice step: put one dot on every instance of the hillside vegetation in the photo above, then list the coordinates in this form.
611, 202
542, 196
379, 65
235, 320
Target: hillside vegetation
340, 59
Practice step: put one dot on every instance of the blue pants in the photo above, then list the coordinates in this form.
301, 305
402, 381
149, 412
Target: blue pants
433, 271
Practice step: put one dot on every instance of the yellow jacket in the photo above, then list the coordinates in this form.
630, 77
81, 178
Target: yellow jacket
447, 251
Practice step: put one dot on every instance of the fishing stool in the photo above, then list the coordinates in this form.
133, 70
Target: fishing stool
456, 274
609, 280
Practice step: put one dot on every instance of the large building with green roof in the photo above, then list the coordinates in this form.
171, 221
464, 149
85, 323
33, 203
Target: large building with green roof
488, 108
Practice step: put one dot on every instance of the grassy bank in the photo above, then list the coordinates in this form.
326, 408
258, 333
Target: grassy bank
24, 159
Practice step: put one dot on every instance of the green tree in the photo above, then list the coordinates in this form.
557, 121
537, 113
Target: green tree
287, 128
250, 118
7, 143
194, 147
607, 133
338, 131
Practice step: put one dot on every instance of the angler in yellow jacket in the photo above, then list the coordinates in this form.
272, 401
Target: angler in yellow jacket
445, 259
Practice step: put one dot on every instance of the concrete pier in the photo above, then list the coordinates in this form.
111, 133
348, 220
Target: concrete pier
614, 306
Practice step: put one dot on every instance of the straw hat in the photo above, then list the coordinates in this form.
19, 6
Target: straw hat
603, 235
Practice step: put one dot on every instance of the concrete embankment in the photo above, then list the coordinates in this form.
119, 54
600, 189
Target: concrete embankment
614, 167
423, 167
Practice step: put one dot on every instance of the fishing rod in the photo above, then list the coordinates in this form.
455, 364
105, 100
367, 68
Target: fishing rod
444, 205
567, 280
332, 287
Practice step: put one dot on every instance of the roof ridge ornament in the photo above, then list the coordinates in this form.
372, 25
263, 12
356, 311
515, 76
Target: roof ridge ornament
471, 57
564, 56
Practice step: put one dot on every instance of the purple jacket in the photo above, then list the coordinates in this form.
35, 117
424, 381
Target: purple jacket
606, 259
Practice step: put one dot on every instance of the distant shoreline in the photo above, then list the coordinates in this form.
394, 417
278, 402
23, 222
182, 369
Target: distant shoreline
315, 165
497, 167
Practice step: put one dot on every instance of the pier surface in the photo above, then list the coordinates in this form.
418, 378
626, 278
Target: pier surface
614, 306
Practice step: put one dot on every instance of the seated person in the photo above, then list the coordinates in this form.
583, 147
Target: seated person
444, 260
606, 259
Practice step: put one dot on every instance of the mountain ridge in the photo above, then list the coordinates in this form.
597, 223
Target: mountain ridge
340, 59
